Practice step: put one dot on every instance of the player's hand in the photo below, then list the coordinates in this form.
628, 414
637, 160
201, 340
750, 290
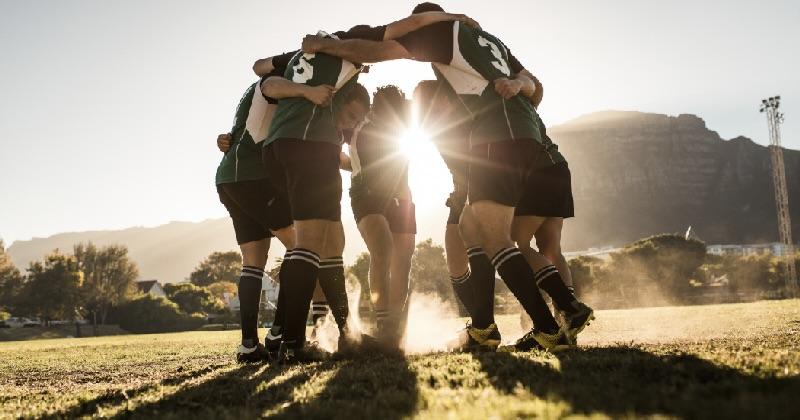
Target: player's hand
312, 44
468, 21
320, 95
507, 88
224, 142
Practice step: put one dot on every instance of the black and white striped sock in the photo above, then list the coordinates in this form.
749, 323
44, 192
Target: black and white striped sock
463, 291
298, 278
549, 279
250, 283
517, 274
332, 282
481, 281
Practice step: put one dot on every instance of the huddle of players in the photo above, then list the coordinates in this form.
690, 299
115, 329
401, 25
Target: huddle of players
494, 144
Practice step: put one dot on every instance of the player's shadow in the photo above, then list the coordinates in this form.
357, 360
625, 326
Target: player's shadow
625, 382
370, 387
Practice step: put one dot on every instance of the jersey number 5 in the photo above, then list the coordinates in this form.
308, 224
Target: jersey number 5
500, 64
303, 70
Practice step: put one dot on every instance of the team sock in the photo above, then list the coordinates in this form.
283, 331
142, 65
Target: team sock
319, 310
481, 280
299, 277
249, 299
549, 280
331, 279
463, 290
280, 307
516, 272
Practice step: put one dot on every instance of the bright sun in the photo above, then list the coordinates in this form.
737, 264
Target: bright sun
414, 142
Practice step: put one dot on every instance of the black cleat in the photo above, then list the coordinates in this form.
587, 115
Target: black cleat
540, 340
577, 319
290, 354
252, 354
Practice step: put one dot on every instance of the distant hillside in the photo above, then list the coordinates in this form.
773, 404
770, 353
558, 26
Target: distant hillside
634, 175
637, 174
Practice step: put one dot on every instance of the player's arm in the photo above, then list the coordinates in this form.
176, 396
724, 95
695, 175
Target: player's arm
356, 50
278, 88
411, 23
265, 66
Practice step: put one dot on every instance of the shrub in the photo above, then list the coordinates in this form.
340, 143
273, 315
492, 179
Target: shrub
150, 314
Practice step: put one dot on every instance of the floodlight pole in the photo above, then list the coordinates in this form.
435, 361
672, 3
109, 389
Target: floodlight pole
770, 107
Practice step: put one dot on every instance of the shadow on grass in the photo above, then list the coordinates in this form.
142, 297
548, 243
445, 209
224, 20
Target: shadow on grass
370, 387
624, 381
119, 396
378, 387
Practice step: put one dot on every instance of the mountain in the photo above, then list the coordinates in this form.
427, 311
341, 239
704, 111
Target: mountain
633, 174
637, 174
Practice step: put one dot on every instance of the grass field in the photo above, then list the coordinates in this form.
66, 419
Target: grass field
719, 361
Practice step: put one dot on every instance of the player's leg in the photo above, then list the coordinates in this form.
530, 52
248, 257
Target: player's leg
378, 237
495, 186
548, 241
403, 224
331, 275
456, 253
481, 274
253, 240
313, 186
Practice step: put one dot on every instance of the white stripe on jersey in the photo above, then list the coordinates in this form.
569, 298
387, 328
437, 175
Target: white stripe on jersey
464, 79
355, 160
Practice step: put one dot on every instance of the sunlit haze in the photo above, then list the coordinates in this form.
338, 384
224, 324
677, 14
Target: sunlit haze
109, 110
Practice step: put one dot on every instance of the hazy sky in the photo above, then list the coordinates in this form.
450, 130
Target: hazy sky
109, 109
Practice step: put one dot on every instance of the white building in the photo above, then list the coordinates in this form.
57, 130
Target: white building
774, 248
269, 294
151, 287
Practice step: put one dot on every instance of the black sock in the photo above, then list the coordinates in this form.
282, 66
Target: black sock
249, 300
517, 274
463, 291
549, 280
331, 279
299, 277
319, 310
482, 281
280, 307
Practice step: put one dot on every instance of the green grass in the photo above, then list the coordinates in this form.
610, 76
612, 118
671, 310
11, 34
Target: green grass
720, 361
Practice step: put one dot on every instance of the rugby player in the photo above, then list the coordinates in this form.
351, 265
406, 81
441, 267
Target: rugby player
505, 143
383, 209
302, 155
258, 211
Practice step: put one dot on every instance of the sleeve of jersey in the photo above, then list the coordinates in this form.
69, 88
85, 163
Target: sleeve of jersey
280, 62
432, 44
369, 33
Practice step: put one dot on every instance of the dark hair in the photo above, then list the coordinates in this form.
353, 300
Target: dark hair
390, 107
357, 93
427, 7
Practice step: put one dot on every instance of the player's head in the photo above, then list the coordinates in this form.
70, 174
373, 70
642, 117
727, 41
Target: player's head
427, 7
430, 101
390, 107
354, 108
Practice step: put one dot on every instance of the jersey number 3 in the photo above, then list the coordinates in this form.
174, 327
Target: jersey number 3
303, 70
500, 64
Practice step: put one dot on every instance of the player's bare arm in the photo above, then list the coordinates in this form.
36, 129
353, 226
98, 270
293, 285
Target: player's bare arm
411, 23
344, 162
224, 142
263, 66
279, 88
356, 50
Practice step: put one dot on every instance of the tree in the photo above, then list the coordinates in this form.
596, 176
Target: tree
193, 299
11, 281
151, 314
429, 271
53, 289
108, 277
220, 288
584, 273
219, 266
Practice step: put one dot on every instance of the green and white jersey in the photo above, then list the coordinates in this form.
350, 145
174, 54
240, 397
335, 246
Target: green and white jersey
470, 60
299, 118
242, 162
